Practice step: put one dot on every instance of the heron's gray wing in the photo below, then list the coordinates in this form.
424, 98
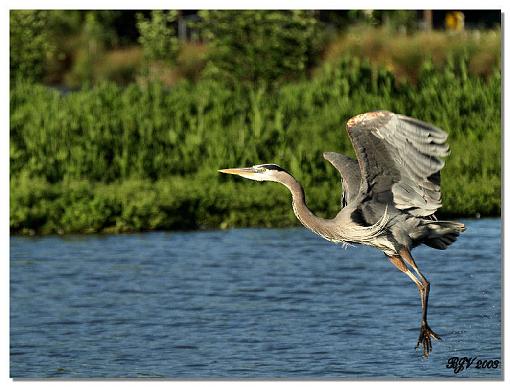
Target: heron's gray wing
399, 159
349, 170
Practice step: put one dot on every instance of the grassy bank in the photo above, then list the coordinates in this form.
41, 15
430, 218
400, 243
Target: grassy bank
122, 159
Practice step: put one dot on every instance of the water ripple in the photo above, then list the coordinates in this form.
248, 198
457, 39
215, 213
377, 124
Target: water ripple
281, 304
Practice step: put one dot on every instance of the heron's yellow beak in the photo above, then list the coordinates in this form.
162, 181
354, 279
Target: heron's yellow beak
239, 171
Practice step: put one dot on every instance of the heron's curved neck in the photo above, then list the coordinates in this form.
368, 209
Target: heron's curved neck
303, 213
338, 229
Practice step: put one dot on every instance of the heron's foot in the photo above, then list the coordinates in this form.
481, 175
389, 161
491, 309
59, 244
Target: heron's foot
425, 339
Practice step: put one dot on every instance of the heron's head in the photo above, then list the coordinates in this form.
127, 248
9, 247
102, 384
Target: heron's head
263, 172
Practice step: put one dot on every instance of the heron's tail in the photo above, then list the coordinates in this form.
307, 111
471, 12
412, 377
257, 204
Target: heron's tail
441, 234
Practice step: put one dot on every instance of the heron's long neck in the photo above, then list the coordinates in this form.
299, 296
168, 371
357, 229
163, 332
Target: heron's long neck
335, 230
303, 213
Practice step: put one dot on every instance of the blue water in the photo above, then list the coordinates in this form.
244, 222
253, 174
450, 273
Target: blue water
249, 303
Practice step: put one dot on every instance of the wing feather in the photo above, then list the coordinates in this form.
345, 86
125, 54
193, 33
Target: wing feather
401, 155
350, 172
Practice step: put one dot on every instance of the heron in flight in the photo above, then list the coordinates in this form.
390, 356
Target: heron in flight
389, 195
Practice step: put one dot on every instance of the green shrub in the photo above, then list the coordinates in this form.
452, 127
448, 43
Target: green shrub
30, 44
260, 47
146, 158
157, 36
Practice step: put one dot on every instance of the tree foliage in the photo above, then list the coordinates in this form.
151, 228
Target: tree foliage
157, 35
30, 44
261, 47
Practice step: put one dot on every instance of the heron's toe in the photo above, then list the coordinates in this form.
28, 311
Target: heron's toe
425, 339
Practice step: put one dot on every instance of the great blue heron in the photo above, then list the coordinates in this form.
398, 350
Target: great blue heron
389, 195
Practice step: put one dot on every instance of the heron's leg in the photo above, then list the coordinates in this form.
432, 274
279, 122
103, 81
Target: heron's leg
425, 332
400, 265
406, 255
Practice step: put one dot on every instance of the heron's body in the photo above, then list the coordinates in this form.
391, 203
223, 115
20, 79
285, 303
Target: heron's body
390, 194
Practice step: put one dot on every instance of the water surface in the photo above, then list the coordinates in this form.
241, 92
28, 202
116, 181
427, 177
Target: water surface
247, 304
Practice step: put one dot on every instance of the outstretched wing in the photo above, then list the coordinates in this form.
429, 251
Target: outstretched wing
349, 170
399, 159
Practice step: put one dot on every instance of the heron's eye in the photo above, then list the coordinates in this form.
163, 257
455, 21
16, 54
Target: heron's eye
261, 169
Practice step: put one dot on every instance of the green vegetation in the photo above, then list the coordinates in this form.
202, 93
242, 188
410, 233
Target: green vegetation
138, 144
29, 35
109, 158
157, 36
261, 48
73, 48
404, 54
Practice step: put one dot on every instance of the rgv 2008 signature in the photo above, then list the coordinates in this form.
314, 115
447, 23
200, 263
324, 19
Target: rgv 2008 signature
459, 364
